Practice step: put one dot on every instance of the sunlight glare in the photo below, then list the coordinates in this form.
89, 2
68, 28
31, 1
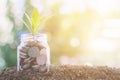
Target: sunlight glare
73, 5
112, 23
102, 45
104, 6
113, 33
74, 42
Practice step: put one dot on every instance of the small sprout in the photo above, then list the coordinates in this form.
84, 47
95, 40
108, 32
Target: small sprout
36, 21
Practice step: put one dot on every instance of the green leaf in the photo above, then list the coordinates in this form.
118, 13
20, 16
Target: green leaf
43, 21
26, 25
35, 18
36, 21
29, 19
39, 22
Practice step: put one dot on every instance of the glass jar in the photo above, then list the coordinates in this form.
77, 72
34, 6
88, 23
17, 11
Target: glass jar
33, 53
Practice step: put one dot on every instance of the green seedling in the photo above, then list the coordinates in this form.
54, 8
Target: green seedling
36, 21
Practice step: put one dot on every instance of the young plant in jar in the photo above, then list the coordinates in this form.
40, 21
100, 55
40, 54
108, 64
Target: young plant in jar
33, 51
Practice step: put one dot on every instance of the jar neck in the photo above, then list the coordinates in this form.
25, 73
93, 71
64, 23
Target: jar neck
30, 37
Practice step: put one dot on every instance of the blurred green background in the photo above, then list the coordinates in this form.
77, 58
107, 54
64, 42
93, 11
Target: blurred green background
85, 32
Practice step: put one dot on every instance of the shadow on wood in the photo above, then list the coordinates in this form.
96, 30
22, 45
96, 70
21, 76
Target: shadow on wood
63, 72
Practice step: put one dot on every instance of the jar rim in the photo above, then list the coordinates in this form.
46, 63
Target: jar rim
38, 34
29, 35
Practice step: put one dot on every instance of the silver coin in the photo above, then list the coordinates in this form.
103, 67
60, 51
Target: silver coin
32, 59
43, 68
21, 56
24, 49
40, 46
33, 51
24, 54
26, 66
43, 51
42, 59
30, 44
26, 60
35, 66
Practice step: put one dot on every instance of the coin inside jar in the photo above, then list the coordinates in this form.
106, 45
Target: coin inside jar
43, 51
33, 51
43, 68
42, 59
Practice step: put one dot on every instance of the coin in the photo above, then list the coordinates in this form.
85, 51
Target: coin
35, 66
35, 63
26, 60
26, 66
43, 51
33, 51
23, 54
42, 59
24, 49
32, 43
31, 60
40, 46
43, 68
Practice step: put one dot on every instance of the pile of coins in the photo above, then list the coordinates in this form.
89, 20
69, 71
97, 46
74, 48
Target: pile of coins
33, 55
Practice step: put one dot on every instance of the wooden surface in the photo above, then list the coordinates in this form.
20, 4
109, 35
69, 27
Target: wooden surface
63, 72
